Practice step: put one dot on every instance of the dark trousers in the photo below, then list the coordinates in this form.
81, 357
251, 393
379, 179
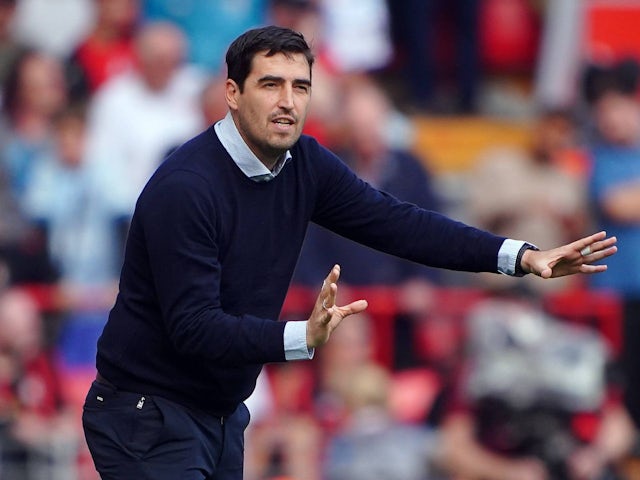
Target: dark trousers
135, 436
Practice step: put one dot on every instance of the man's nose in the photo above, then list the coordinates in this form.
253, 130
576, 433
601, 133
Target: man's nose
286, 97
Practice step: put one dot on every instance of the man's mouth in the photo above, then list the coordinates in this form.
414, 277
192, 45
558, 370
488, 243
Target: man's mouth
284, 121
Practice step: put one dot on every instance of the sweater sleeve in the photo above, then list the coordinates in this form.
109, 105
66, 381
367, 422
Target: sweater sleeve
179, 225
354, 209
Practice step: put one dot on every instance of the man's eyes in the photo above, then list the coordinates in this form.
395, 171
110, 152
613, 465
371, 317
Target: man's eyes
301, 88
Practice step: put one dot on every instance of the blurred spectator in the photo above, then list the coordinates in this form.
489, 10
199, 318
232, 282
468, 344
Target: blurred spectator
533, 402
212, 101
108, 49
287, 442
418, 27
138, 117
34, 93
611, 92
53, 27
38, 436
350, 349
546, 184
372, 443
356, 35
209, 26
10, 49
74, 201
307, 405
14, 228
300, 15
368, 149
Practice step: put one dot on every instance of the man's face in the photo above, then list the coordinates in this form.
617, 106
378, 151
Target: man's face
618, 118
160, 51
271, 110
42, 85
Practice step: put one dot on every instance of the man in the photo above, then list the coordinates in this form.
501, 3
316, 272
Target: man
611, 92
141, 114
211, 250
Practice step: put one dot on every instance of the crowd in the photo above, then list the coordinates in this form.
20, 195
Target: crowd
96, 93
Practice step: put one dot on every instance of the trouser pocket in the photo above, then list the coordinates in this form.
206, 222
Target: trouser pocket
120, 423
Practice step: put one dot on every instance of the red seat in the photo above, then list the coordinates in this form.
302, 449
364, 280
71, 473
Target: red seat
509, 33
413, 393
610, 30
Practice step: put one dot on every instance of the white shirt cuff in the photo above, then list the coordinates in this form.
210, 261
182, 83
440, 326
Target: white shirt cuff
295, 341
507, 256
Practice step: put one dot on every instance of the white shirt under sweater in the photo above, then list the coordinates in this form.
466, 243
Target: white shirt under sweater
295, 333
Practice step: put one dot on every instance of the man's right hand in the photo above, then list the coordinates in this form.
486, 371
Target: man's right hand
326, 315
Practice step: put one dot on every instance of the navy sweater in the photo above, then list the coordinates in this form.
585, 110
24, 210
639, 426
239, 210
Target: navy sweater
210, 255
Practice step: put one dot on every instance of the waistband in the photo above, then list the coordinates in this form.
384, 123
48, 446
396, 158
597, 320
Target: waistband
104, 381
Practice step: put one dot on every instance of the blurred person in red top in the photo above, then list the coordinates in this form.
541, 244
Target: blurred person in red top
108, 49
40, 435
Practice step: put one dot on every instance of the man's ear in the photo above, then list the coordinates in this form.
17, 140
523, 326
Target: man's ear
231, 93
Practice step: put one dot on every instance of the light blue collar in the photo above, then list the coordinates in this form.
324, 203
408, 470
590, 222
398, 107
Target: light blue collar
246, 160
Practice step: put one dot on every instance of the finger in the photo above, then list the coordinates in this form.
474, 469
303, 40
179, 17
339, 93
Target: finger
594, 257
592, 238
354, 307
546, 272
598, 246
325, 291
592, 268
588, 241
604, 244
333, 275
329, 301
344, 311
599, 254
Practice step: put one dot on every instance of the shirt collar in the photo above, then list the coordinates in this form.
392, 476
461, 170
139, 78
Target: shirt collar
242, 155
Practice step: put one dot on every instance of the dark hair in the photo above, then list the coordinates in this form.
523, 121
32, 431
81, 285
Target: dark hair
622, 77
73, 111
12, 84
271, 39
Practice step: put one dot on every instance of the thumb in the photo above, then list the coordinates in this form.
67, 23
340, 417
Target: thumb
355, 307
546, 272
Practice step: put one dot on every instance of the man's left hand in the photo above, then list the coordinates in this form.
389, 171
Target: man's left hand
575, 257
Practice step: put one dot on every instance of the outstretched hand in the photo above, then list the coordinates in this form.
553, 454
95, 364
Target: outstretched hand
575, 257
326, 315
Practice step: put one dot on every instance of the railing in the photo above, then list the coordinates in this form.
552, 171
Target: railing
598, 309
